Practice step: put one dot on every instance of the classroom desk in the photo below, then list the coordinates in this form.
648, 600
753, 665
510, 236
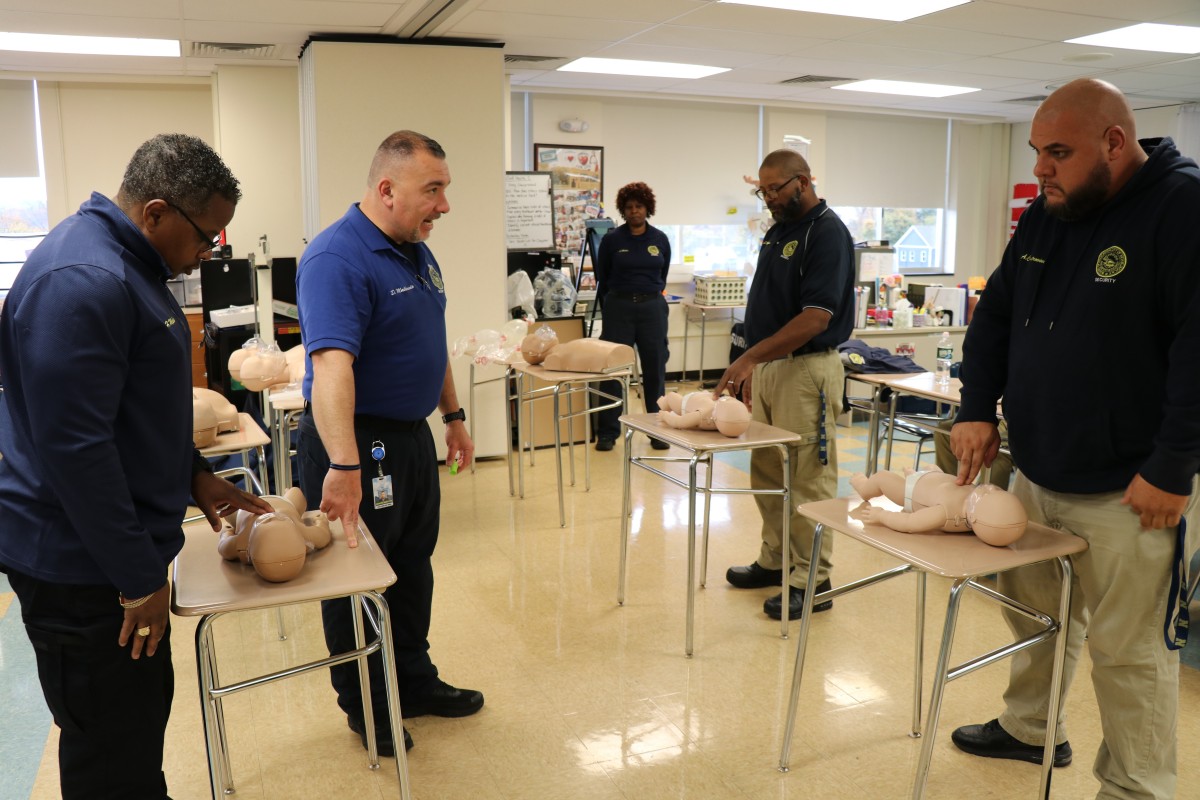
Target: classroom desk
559, 385
701, 446
247, 437
206, 585
964, 559
919, 384
688, 305
286, 409
877, 381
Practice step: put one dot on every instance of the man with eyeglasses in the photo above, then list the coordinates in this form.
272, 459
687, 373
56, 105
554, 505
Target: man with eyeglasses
799, 309
98, 462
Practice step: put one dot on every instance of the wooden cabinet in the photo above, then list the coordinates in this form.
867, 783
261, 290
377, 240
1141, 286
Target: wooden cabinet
195, 321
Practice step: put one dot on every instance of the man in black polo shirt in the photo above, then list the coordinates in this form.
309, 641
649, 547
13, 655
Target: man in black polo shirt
800, 308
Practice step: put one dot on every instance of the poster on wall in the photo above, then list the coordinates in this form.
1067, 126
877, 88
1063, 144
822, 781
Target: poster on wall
577, 184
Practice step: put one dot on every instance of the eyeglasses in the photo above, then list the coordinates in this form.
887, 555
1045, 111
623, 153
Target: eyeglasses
770, 194
209, 242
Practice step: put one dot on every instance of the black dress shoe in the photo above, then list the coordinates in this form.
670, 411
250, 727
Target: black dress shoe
383, 737
443, 700
773, 607
604, 444
659, 444
753, 576
991, 741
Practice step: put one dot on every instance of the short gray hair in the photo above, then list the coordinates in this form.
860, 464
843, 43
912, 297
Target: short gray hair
180, 169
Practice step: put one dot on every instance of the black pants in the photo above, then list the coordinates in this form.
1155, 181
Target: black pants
643, 324
407, 533
112, 710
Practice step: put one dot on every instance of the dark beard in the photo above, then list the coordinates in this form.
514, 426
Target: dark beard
791, 211
1087, 198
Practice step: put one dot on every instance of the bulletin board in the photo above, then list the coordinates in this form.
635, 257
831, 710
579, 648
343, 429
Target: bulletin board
528, 211
578, 182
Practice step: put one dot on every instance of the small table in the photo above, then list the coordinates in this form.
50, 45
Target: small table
919, 384
878, 381
286, 409
702, 446
964, 559
688, 306
247, 437
208, 586
562, 384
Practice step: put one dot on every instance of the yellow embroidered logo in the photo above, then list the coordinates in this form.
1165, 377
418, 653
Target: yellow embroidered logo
436, 277
652, 249
855, 358
1111, 262
169, 321
790, 248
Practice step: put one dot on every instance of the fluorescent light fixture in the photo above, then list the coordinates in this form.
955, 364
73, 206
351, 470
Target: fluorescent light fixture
894, 10
88, 45
1149, 36
650, 69
905, 87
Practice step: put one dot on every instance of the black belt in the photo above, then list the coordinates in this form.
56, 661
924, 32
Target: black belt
810, 349
370, 422
635, 297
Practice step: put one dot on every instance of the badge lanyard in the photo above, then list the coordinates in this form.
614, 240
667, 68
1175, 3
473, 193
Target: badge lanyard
381, 486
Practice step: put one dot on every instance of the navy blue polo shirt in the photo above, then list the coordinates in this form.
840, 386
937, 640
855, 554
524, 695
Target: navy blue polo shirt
633, 264
358, 291
808, 263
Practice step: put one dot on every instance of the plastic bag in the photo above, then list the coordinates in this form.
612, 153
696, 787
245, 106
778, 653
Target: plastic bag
554, 293
520, 295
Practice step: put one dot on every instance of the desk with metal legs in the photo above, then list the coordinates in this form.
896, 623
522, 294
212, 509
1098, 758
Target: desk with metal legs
701, 446
561, 385
964, 559
207, 586
687, 305
247, 437
286, 410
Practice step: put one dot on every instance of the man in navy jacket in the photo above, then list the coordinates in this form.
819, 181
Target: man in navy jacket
98, 463
1089, 330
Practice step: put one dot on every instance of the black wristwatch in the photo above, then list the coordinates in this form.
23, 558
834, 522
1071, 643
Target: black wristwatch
453, 415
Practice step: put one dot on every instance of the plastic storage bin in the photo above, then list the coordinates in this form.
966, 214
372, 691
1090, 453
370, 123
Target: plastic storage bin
723, 291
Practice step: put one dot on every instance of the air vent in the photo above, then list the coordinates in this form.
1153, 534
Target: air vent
516, 59
231, 50
1032, 100
816, 79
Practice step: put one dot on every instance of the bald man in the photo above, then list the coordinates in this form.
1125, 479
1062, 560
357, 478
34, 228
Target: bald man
1089, 330
800, 308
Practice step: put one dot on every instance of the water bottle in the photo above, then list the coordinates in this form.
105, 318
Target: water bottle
945, 356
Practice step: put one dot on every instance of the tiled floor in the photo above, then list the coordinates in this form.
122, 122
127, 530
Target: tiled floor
590, 701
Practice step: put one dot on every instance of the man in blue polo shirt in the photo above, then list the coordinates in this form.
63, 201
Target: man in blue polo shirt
800, 308
372, 315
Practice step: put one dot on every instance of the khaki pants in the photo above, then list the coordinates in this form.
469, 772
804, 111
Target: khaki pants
787, 394
1120, 602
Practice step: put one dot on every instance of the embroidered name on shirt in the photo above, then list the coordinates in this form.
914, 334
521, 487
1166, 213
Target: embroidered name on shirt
1034, 259
401, 290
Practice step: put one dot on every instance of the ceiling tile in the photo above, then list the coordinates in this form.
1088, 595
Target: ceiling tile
1005, 20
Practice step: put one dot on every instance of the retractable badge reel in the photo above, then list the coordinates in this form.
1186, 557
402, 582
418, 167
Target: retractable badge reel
381, 486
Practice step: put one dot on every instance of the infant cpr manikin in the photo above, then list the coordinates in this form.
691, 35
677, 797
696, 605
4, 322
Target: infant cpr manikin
276, 544
698, 410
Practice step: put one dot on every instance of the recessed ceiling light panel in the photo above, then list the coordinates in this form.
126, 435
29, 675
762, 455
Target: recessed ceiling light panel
894, 10
907, 88
1149, 36
88, 45
651, 69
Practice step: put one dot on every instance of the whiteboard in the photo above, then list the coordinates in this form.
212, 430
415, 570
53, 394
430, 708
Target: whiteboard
528, 211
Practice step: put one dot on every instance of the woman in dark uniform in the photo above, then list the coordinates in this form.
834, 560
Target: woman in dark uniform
631, 273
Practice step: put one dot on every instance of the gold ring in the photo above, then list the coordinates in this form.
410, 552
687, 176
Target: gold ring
143, 631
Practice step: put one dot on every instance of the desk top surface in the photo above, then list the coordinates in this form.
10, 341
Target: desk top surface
951, 555
922, 384
205, 583
247, 436
759, 434
688, 301
286, 400
559, 376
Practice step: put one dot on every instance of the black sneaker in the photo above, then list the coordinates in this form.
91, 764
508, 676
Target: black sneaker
754, 576
659, 444
383, 737
991, 741
604, 444
773, 607
442, 700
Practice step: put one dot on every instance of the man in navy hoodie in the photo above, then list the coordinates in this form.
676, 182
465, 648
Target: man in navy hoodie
1089, 330
98, 463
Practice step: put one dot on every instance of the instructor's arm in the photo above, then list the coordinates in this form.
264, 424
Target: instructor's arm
333, 410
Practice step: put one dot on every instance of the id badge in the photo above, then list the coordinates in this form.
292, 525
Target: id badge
381, 491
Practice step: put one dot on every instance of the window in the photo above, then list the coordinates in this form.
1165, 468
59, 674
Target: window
23, 223
915, 233
713, 248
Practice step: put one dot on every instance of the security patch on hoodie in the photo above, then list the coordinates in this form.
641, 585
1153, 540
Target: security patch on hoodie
790, 248
1110, 263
